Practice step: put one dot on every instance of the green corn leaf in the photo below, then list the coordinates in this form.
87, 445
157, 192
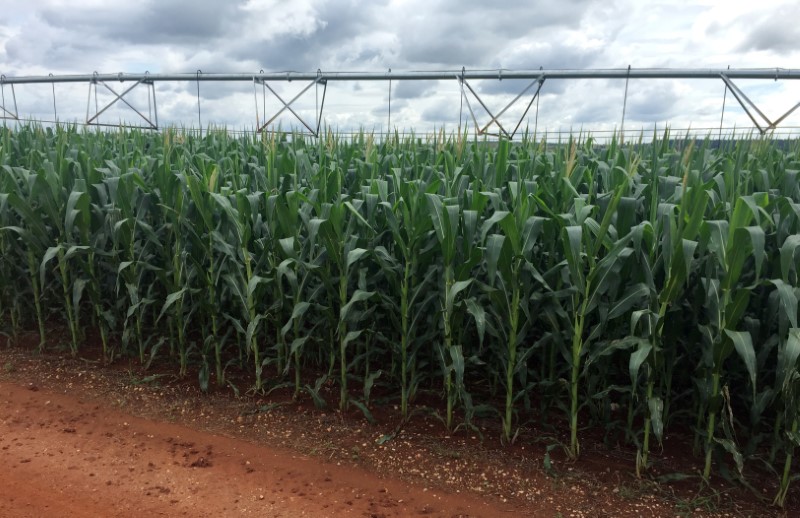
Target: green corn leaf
48, 256
298, 311
233, 215
479, 314
491, 221
718, 241
297, 344
757, 240
458, 364
656, 407
637, 358
611, 211
470, 218
788, 300
571, 239
787, 357
252, 329
743, 343
172, 298
74, 250
358, 296
314, 392
494, 248
452, 212
633, 296
695, 213
530, 234
77, 206
287, 245
736, 309
731, 448
252, 284
350, 336
457, 288
687, 251
78, 287
788, 253
357, 215
123, 265
437, 214
354, 255
369, 381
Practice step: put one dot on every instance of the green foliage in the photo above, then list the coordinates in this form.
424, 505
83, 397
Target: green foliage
659, 278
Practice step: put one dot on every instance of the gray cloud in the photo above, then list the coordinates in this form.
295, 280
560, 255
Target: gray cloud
545, 55
778, 31
442, 113
598, 112
550, 55
651, 102
476, 33
398, 107
148, 22
340, 33
413, 89
219, 90
80, 36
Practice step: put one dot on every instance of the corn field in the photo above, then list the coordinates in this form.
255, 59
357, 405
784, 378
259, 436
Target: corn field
638, 288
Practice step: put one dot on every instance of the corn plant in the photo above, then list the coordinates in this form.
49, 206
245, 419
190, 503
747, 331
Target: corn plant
590, 279
245, 284
678, 223
297, 271
512, 274
658, 277
210, 261
337, 232
33, 237
403, 266
730, 244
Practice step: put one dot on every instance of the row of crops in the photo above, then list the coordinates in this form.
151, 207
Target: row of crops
636, 289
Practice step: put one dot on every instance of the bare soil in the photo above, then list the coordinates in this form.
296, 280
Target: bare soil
79, 438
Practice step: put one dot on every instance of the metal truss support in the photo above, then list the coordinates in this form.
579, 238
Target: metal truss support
389, 120
722, 115
469, 96
495, 119
55, 110
5, 113
624, 105
745, 101
314, 130
151, 119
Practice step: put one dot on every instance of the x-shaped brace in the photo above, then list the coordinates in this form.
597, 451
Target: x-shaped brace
495, 119
742, 99
288, 105
5, 113
152, 122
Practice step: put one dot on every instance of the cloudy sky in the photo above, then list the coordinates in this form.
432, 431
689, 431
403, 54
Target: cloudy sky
39, 37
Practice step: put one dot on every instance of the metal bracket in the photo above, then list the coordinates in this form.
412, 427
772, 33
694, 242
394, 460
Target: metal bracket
495, 119
741, 98
320, 80
151, 119
5, 113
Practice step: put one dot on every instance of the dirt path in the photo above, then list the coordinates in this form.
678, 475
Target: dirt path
67, 456
81, 438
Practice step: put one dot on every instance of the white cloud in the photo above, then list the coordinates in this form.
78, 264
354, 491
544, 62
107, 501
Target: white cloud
60, 37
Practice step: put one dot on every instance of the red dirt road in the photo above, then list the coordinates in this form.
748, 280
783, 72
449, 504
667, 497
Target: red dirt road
66, 456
